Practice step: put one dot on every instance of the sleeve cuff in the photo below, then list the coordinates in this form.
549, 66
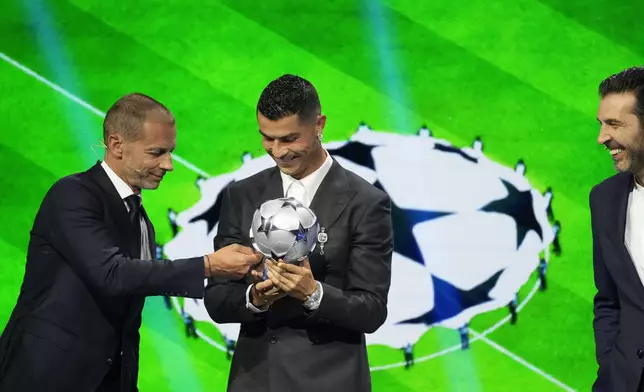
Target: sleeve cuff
249, 305
313, 302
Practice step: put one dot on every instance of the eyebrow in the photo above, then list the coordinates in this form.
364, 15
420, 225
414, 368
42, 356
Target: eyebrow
280, 137
153, 148
612, 121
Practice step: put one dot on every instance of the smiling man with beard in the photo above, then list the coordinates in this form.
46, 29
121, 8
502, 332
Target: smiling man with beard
617, 212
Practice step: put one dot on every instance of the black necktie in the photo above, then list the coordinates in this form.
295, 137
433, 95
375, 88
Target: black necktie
134, 205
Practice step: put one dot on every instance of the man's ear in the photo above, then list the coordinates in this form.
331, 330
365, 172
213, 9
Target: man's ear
115, 145
319, 125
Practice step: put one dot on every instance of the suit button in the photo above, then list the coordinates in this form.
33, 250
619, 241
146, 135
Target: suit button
273, 340
640, 353
109, 361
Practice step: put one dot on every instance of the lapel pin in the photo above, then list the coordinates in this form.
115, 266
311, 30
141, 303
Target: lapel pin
322, 239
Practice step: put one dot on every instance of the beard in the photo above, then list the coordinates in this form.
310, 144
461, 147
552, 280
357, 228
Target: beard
636, 161
633, 155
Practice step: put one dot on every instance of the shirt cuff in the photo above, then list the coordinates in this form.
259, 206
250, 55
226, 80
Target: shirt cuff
249, 305
316, 298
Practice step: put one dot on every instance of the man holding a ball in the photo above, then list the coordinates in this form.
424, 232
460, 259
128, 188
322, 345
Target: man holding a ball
303, 325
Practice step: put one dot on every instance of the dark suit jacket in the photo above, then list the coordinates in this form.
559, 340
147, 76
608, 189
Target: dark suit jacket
286, 348
619, 303
83, 291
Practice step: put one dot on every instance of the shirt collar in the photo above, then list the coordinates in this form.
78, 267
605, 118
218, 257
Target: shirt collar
121, 186
312, 181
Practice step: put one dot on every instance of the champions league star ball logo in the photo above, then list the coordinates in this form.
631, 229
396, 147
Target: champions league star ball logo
467, 231
284, 229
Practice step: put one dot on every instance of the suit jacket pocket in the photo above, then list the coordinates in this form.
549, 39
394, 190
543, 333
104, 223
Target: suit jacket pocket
49, 332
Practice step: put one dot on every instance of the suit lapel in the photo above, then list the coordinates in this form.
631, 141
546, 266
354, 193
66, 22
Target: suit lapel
332, 196
618, 215
622, 192
272, 188
118, 212
329, 201
117, 209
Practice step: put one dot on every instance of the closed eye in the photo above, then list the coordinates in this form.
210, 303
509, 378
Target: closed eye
157, 152
291, 137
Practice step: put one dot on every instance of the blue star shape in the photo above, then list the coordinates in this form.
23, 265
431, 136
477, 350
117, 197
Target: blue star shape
450, 301
299, 233
403, 221
518, 205
211, 215
356, 152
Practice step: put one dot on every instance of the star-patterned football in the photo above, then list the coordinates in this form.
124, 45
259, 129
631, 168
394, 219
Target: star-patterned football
284, 229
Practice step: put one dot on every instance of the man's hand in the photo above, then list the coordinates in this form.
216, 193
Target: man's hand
263, 293
257, 271
231, 261
296, 281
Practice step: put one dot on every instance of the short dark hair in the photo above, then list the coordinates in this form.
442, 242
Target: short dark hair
127, 116
289, 95
630, 80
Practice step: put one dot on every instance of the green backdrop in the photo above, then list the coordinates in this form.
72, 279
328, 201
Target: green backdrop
522, 74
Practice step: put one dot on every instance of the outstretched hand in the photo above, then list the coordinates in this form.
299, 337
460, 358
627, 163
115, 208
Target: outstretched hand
231, 261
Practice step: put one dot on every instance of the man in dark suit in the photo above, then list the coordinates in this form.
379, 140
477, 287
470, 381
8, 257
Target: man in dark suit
303, 329
617, 212
75, 326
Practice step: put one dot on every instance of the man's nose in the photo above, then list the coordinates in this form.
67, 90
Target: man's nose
166, 163
603, 137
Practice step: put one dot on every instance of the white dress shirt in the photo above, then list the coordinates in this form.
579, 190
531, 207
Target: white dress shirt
634, 231
303, 190
124, 191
